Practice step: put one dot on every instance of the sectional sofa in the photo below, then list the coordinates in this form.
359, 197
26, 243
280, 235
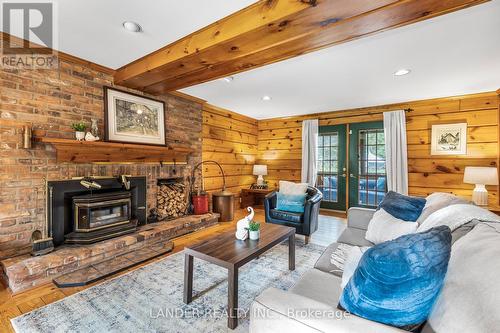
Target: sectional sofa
311, 305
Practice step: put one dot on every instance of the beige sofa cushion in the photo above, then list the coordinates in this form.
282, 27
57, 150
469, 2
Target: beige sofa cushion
354, 236
319, 286
277, 310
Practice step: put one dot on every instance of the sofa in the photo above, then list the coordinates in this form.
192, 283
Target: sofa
311, 305
304, 223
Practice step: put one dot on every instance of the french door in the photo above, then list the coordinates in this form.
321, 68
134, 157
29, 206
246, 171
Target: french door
357, 173
332, 169
367, 177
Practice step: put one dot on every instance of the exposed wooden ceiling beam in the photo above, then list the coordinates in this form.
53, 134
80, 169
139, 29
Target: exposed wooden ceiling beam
271, 31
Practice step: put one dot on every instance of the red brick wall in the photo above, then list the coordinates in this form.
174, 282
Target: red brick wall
51, 100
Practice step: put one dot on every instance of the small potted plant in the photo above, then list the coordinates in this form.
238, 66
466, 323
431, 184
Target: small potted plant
254, 230
79, 130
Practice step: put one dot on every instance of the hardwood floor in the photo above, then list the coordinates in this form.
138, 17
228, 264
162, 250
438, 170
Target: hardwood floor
12, 306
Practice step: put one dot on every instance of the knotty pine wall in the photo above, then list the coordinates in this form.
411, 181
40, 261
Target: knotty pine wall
279, 141
230, 139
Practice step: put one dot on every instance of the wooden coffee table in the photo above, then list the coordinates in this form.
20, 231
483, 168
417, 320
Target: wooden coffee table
226, 251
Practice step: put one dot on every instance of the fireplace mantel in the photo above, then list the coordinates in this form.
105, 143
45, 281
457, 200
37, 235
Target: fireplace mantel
74, 151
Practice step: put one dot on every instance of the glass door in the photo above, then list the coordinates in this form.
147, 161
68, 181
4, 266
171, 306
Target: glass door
332, 166
367, 177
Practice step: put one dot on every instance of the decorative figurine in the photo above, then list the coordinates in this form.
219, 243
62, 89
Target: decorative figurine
94, 129
90, 137
242, 225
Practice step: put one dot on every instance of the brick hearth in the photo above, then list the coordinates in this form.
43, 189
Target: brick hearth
25, 272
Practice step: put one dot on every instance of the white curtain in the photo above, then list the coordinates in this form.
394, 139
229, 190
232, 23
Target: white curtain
396, 153
309, 151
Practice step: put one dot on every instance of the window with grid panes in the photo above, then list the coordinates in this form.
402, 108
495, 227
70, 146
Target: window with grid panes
328, 165
371, 178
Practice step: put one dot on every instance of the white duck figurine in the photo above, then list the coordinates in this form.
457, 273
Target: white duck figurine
242, 225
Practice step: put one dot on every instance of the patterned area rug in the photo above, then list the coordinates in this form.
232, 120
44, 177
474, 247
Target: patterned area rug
149, 299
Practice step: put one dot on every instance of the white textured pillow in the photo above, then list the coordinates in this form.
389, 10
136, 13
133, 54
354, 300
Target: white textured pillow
455, 216
438, 200
292, 188
385, 227
351, 263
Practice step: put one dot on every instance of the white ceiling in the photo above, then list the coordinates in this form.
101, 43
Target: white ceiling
92, 29
455, 54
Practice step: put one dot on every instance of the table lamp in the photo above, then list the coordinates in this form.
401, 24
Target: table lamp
260, 170
480, 176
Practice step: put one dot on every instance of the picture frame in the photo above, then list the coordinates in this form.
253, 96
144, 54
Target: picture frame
133, 118
449, 139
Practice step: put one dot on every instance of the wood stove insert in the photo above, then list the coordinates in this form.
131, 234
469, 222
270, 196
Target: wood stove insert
77, 214
101, 216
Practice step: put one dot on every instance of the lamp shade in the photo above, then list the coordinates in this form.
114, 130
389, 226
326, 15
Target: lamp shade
260, 170
481, 175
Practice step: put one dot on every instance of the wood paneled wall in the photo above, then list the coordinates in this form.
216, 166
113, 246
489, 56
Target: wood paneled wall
279, 141
230, 139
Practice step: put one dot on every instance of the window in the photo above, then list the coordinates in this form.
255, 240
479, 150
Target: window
371, 176
328, 165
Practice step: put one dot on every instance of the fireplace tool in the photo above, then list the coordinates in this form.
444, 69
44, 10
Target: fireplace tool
42, 242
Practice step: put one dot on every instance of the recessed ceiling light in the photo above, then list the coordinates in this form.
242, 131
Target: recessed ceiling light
132, 26
402, 72
266, 98
229, 79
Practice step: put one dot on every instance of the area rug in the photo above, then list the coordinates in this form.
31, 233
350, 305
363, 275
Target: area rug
149, 299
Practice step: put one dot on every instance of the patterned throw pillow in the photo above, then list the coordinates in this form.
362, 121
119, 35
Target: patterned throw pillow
402, 206
397, 282
290, 202
286, 187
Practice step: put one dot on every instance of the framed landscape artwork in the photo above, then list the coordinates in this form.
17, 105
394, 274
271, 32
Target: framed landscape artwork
449, 139
131, 118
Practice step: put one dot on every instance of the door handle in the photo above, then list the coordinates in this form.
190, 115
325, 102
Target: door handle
352, 176
343, 175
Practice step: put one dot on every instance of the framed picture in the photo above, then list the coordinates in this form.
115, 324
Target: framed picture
131, 118
449, 139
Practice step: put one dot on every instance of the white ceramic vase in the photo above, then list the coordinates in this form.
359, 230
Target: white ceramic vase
80, 135
254, 235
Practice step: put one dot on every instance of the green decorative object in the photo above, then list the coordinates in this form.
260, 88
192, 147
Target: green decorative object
254, 226
254, 230
79, 130
79, 127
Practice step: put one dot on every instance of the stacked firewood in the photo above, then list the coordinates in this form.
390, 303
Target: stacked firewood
171, 200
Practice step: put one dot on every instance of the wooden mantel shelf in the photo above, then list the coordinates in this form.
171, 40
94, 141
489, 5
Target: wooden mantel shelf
73, 151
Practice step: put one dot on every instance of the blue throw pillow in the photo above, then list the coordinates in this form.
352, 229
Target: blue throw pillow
402, 206
397, 282
290, 202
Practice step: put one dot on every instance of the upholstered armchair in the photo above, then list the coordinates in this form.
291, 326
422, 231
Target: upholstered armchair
304, 223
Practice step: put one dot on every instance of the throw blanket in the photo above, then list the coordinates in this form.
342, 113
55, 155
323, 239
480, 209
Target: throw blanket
457, 215
469, 301
339, 256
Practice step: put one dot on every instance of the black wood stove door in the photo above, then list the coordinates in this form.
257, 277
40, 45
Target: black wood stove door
60, 195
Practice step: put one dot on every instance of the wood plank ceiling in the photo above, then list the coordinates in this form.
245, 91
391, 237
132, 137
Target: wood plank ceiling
270, 31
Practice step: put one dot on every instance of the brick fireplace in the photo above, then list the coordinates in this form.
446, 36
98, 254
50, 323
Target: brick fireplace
50, 101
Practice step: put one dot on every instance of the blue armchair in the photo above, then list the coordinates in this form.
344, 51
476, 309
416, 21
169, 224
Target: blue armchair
304, 223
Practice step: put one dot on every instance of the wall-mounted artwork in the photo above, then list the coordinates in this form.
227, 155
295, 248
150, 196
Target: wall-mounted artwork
133, 118
449, 139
